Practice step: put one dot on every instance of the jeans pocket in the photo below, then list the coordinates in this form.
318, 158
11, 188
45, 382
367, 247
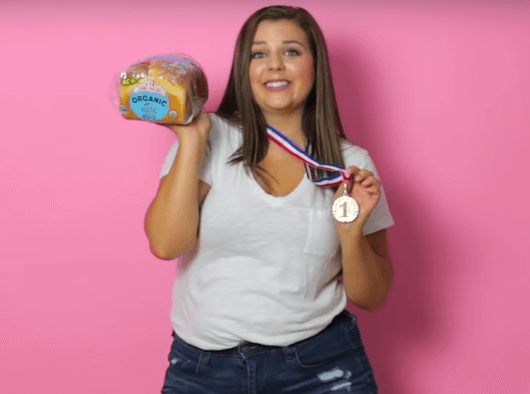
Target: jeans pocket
178, 373
354, 337
309, 358
322, 348
178, 360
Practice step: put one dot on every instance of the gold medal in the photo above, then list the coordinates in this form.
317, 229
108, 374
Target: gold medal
345, 208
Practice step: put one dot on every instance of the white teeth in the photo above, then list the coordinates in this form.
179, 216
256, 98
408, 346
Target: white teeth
277, 84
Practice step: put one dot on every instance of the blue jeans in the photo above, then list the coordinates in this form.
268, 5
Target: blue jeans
333, 361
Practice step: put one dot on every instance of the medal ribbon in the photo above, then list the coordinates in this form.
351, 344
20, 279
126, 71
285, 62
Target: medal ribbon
296, 151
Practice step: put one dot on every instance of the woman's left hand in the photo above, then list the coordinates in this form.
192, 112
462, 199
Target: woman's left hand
366, 189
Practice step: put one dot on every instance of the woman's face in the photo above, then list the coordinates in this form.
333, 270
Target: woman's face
281, 68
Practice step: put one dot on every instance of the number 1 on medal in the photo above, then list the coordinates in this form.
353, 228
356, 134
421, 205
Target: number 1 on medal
348, 206
345, 205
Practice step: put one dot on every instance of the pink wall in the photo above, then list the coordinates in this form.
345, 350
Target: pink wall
439, 92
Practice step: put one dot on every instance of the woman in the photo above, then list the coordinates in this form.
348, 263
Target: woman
258, 305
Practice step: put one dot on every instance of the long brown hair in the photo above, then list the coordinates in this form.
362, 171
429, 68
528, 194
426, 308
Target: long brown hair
321, 121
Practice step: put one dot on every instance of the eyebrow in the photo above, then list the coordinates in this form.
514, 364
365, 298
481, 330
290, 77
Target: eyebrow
283, 42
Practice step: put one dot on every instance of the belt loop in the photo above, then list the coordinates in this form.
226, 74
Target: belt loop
203, 359
289, 353
243, 361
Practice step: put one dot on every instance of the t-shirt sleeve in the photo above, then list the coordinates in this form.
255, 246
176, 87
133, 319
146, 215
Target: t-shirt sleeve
206, 167
380, 218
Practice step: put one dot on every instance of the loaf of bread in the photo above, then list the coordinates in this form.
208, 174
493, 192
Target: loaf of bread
166, 89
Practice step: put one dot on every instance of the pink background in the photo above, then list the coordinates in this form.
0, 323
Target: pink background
438, 92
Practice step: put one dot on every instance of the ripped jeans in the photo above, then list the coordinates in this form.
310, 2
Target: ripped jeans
333, 361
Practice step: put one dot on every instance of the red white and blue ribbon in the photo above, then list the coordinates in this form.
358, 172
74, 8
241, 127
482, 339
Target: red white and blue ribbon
295, 150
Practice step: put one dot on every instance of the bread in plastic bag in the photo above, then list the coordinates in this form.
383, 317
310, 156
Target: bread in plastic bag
166, 89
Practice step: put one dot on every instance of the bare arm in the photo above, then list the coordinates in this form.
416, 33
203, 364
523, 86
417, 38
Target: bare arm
367, 270
172, 219
366, 267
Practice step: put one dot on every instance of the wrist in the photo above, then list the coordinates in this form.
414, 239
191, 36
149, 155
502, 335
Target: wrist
191, 151
349, 233
192, 140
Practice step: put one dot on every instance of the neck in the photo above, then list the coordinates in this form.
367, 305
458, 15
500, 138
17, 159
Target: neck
290, 126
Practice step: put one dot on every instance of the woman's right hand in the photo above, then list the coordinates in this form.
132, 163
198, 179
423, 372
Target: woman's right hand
198, 128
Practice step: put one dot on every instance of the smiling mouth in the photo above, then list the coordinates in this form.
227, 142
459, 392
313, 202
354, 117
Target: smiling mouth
277, 84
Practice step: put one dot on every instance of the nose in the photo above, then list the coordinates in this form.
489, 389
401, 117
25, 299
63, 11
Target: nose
276, 62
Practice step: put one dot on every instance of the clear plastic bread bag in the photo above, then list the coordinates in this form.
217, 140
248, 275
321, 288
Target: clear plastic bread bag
165, 89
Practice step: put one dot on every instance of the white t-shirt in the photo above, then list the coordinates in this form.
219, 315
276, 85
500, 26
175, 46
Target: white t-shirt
265, 269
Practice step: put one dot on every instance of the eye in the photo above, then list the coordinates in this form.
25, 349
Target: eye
257, 55
292, 52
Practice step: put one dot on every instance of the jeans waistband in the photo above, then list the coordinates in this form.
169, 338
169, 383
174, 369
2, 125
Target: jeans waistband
254, 348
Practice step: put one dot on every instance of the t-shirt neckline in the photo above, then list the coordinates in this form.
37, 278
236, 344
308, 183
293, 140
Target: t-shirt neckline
277, 201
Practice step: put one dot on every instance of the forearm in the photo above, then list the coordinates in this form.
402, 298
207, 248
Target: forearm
366, 275
172, 219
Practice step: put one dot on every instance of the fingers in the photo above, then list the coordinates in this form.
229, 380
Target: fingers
202, 115
352, 170
199, 127
369, 181
364, 178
